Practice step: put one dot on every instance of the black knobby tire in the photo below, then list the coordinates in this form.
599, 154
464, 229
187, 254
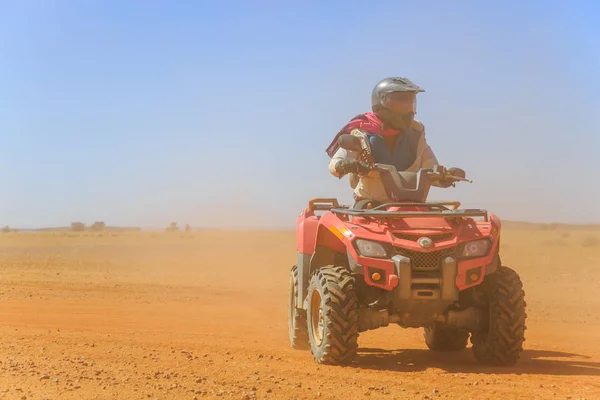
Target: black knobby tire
297, 328
502, 342
332, 316
445, 338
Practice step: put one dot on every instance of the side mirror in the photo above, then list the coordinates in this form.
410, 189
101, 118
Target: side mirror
349, 142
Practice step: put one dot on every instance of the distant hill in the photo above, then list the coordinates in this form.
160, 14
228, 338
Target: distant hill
512, 225
523, 225
87, 229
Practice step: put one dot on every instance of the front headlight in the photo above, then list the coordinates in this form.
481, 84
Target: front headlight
367, 248
476, 248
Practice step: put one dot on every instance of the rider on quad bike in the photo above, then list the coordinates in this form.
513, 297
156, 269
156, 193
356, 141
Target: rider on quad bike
394, 137
407, 261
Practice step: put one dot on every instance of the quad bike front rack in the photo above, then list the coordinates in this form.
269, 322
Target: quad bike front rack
438, 209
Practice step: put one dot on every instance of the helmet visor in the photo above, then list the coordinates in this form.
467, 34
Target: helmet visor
401, 102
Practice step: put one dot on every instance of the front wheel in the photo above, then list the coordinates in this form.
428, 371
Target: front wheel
297, 330
501, 343
332, 316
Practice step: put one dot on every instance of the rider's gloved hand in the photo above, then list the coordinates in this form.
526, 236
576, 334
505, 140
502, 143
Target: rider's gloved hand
344, 167
445, 183
457, 172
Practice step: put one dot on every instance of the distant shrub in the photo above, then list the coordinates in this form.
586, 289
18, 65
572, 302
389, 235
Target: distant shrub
6, 229
77, 226
172, 227
98, 226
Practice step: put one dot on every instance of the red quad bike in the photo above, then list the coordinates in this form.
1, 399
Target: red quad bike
412, 263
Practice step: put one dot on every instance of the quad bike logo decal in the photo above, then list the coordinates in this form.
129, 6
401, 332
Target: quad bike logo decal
425, 242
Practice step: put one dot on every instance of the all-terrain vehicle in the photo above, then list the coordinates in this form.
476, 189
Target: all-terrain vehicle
410, 262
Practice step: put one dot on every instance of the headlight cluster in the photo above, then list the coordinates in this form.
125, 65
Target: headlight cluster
367, 248
476, 248
473, 249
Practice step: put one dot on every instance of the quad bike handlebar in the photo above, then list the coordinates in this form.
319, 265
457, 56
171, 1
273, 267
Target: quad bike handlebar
400, 185
367, 164
439, 172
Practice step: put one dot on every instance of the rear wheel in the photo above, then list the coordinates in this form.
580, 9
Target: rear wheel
332, 316
501, 342
440, 337
297, 329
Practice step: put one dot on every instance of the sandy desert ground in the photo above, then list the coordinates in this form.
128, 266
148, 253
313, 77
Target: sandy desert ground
203, 315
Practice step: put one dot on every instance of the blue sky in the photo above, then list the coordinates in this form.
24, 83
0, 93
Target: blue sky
219, 113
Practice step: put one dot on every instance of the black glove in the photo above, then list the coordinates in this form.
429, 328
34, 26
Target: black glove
457, 172
445, 183
344, 167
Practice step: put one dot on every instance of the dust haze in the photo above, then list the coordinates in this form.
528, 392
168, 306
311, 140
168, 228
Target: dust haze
203, 314
218, 117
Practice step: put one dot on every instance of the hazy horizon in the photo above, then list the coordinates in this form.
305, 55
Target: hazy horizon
139, 115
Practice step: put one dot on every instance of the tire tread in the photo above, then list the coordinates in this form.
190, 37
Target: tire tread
299, 334
504, 342
341, 313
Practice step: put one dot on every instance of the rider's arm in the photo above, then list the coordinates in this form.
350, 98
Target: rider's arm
429, 160
341, 155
